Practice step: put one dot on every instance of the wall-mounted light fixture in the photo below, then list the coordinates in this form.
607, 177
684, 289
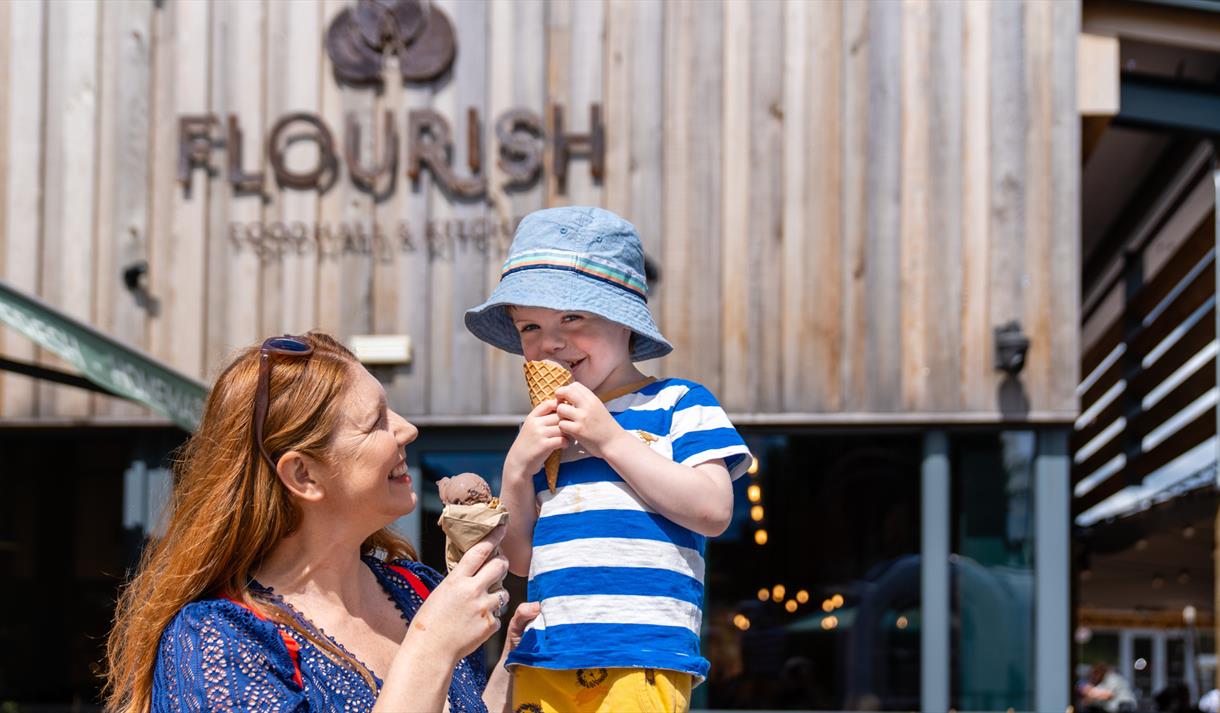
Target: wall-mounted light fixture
381, 349
1010, 348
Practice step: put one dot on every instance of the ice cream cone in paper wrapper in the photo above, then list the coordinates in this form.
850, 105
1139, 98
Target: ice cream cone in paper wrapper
542, 378
470, 514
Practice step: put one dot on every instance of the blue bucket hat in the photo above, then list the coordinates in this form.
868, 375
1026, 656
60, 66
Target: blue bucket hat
575, 258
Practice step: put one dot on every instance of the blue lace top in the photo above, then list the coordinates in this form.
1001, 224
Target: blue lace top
218, 656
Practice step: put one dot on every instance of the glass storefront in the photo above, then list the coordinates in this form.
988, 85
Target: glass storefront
991, 570
813, 597
824, 613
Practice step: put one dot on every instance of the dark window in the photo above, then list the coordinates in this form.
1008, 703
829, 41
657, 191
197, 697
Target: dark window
842, 517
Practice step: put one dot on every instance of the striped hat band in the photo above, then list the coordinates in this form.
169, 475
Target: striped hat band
573, 262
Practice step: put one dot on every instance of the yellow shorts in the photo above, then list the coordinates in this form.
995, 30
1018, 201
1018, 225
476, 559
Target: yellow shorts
600, 690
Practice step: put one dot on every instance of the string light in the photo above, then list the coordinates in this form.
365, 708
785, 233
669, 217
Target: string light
760, 537
827, 606
764, 594
802, 596
777, 592
741, 621
753, 469
756, 513
830, 622
790, 605
754, 493
901, 623
837, 600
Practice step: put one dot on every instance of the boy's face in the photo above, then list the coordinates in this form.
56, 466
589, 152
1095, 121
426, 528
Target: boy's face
596, 350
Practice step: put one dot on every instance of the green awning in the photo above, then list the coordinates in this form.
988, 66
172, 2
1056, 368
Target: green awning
103, 360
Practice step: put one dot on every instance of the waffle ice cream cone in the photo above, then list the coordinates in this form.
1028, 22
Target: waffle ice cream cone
542, 378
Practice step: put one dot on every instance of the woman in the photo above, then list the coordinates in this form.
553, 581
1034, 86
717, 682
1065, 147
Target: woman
277, 584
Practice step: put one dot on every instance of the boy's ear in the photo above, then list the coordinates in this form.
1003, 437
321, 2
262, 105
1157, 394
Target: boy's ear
296, 472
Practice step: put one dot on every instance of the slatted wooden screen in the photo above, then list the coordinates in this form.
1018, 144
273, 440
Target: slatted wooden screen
1154, 318
844, 198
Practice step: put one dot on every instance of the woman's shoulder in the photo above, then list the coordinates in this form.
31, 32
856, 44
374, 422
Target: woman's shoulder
216, 647
218, 619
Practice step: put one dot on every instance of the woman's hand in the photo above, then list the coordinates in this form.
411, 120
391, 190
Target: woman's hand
455, 619
498, 694
461, 613
538, 438
525, 613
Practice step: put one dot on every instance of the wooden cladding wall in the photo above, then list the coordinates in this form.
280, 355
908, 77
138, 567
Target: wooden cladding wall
844, 198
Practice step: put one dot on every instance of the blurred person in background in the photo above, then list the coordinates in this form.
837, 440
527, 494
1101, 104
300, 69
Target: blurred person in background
1105, 691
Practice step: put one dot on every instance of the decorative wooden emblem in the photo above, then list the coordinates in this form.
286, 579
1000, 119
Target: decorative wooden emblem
417, 32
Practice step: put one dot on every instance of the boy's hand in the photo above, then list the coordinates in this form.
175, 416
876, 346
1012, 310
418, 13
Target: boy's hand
584, 418
539, 437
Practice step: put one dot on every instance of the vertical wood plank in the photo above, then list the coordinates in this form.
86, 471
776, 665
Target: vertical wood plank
382, 307
588, 27
234, 269
737, 286
346, 271
122, 186
701, 247
974, 393
1037, 317
295, 53
69, 206
617, 106
856, 204
765, 231
633, 108
944, 286
915, 242
881, 269
1065, 211
25, 59
1007, 180
647, 148
469, 261
177, 255
676, 178
391, 284
798, 383
558, 85
457, 275
408, 208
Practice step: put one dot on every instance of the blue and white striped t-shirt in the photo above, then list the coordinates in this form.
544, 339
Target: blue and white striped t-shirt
621, 586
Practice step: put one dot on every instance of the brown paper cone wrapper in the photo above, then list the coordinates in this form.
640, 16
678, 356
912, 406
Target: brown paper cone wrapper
542, 378
465, 525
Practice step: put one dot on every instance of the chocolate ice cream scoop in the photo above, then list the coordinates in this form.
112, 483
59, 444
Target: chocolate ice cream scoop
464, 489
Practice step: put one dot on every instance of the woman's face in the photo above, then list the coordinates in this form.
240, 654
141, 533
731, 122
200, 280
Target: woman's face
367, 476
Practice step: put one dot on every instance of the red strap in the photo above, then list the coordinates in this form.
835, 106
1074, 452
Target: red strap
294, 649
416, 583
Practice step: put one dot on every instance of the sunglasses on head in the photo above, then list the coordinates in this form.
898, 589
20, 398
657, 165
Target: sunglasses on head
286, 346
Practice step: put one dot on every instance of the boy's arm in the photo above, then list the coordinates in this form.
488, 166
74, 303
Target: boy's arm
539, 437
699, 497
517, 494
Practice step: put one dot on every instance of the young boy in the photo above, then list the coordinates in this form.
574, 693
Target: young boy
615, 554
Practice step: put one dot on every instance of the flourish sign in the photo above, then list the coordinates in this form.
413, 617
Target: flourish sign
422, 38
